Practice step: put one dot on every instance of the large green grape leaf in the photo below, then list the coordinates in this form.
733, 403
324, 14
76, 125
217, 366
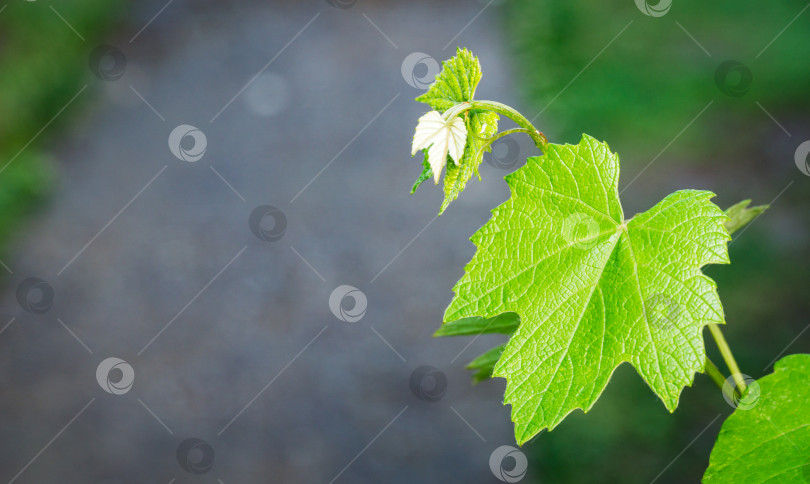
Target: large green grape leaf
591, 289
768, 442
739, 215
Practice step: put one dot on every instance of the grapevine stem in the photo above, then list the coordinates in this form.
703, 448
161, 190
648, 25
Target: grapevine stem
538, 137
489, 141
714, 373
731, 363
507, 132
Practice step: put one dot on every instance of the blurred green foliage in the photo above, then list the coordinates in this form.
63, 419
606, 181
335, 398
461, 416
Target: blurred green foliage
44, 65
639, 82
641, 79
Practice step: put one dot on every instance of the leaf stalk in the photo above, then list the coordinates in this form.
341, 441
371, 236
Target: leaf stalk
714, 373
728, 357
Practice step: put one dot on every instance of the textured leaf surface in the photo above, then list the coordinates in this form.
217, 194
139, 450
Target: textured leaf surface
591, 289
738, 214
482, 125
456, 82
769, 443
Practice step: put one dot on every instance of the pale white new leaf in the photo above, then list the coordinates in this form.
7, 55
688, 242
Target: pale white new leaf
440, 137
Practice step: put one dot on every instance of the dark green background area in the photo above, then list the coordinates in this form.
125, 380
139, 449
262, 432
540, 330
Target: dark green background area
640, 94
44, 65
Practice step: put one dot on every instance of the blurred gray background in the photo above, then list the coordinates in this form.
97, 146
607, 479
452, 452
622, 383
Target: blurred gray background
135, 241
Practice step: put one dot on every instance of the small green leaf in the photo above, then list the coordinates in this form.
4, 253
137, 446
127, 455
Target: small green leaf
592, 289
740, 215
505, 323
456, 82
484, 364
426, 173
769, 442
483, 125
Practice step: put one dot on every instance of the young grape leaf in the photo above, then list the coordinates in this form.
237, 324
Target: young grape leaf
769, 442
456, 82
483, 125
592, 289
443, 139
